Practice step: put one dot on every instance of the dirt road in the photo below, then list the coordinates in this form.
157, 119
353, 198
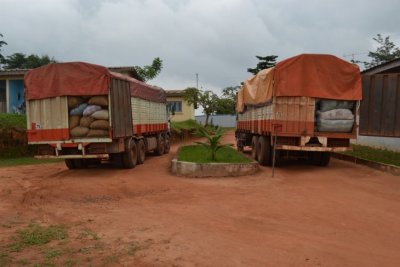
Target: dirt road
341, 215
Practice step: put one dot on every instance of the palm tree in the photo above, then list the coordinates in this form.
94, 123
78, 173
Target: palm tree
213, 140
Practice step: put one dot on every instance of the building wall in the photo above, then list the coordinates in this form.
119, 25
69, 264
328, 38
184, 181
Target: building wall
226, 121
3, 96
187, 110
16, 97
11, 93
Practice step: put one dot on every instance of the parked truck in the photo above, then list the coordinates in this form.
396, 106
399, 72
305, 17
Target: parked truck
86, 114
305, 107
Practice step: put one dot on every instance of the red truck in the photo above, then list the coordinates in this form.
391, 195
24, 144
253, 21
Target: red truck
305, 106
86, 114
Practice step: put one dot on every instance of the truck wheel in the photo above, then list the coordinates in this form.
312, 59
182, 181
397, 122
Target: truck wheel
130, 156
167, 144
320, 158
239, 145
254, 142
141, 149
70, 164
160, 145
325, 158
263, 151
80, 163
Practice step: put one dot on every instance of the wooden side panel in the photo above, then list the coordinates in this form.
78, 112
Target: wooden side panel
121, 115
295, 115
380, 107
49, 113
47, 119
148, 116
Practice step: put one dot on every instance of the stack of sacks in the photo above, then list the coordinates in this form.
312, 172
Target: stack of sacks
88, 116
335, 116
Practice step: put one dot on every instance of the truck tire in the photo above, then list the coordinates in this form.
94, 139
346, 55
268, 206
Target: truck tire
254, 142
320, 158
80, 163
264, 151
160, 145
70, 164
130, 156
141, 150
239, 145
167, 144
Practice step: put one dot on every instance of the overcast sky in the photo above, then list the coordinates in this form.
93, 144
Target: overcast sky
218, 39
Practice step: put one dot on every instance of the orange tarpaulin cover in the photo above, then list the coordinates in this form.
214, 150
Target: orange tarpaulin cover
61, 79
82, 79
320, 76
256, 90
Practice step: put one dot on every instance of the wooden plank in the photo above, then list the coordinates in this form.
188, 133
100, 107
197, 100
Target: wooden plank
375, 106
367, 81
389, 104
397, 109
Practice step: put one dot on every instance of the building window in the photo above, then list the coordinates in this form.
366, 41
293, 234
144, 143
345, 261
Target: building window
175, 106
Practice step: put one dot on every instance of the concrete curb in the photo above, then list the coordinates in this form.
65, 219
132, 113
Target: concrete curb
200, 170
372, 164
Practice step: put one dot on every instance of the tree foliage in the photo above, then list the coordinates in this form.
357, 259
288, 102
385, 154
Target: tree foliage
22, 61
264, 63
385, 52
205, 99
2, 43
150, 71
227, 103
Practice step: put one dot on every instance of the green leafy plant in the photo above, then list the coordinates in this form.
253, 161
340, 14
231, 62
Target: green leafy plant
213, 143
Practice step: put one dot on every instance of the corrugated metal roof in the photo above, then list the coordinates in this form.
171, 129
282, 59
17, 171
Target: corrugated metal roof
175, 92
13, 72
385, 67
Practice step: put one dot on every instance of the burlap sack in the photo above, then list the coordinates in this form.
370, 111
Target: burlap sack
97, 133
74, 121
89, 110
100, 125
78, 110
79, 131
74, 101
101, 114
100, 100
336, 114
86, 121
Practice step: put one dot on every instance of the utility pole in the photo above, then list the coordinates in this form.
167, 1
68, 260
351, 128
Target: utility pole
197, 81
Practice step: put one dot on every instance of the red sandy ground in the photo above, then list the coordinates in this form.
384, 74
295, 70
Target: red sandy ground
340, 215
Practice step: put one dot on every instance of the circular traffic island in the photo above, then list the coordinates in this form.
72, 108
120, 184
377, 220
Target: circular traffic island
196, 161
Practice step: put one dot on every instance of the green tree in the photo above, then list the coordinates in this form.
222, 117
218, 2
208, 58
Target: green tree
227, 103
385, 52
2, 43
205, 99
150, 71
22, 61
264, 63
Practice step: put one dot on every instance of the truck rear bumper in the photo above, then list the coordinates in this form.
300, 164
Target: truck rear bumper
97, 156
313, 148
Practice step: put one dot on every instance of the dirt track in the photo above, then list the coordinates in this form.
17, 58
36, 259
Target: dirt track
342, 215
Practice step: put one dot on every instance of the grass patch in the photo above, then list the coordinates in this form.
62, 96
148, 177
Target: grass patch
88, 234
12, 120
200, 154
178, 126
375, 154
133, 248
36, 234
9, 162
